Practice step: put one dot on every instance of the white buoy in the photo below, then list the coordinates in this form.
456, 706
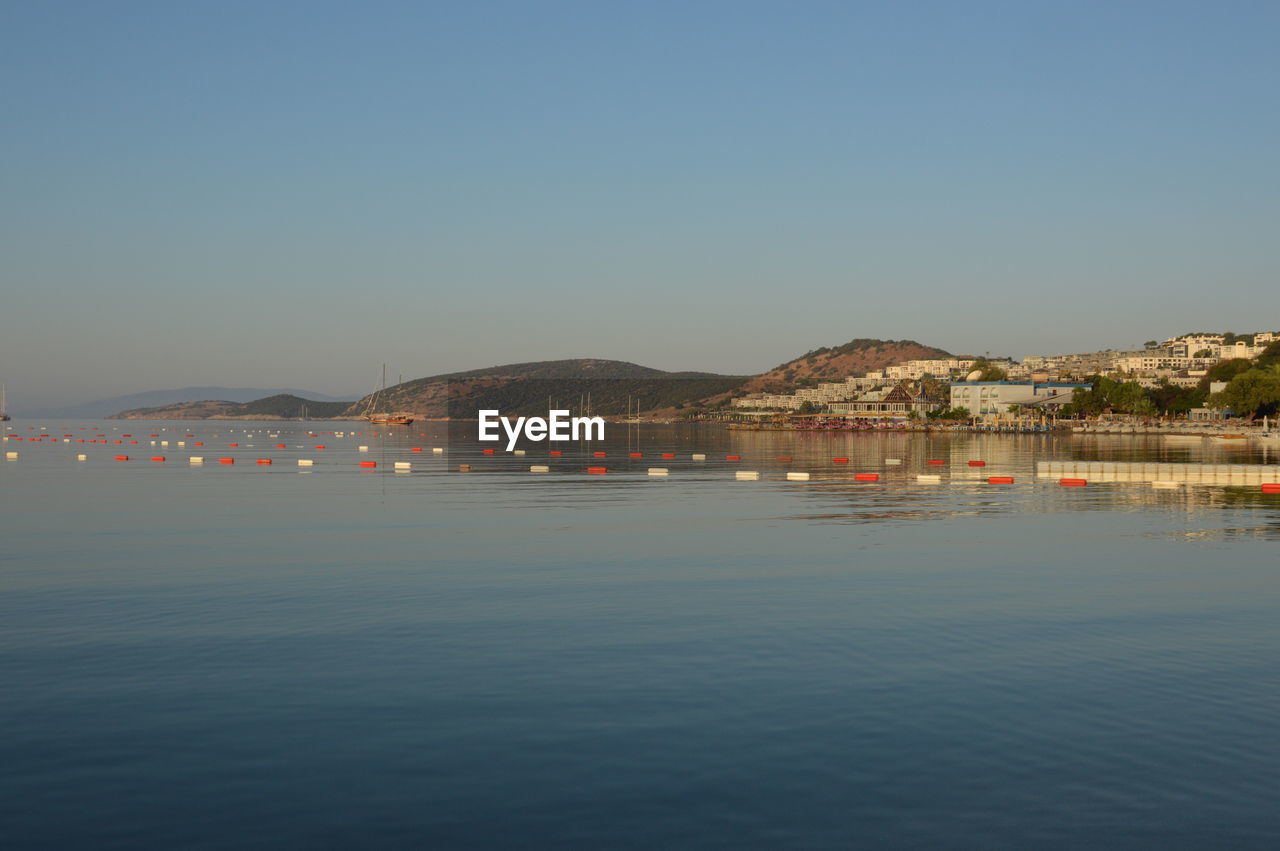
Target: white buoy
306, 462
195, 459
797, 477
182, 443
658, 471
437, 450
1166, 485
746, 475
404, 465
697, 456
518, 452
81, 457
363, 448
539, 468
11, 455
929, 479
892, 461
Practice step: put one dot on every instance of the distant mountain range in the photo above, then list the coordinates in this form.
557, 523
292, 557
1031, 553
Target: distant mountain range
611, 387
159, 398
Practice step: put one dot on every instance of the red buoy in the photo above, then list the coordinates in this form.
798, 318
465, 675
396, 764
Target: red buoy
264, 461
637, 455
157, 457
935, 462
1000, 480
226, 460
416, 449
556, 452
122, 457
840, 460
368, 463
977, 463
668, 454
1271, 487
867, 477
488, 452
733, 457
598, 454
1073, 483
597, 471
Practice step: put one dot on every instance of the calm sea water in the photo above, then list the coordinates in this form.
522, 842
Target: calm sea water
265, 657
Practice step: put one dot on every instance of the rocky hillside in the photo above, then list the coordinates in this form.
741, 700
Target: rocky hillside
529, 388
832, 364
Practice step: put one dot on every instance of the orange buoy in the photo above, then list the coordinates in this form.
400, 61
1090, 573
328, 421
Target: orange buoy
597, 471
867, 477
122, 457
368, 463
226, 460
264, 461
1073, 483
1000, 480
157, 457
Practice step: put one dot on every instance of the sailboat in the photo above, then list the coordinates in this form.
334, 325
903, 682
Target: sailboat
4, 410
373, 415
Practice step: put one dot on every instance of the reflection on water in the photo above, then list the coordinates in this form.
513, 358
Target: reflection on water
246, 655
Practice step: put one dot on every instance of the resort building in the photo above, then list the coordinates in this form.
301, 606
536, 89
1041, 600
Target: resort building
988, 398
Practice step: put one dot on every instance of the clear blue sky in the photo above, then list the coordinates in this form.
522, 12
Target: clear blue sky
291, 193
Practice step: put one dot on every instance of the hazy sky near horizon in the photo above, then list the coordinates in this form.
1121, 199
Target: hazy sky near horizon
292, 193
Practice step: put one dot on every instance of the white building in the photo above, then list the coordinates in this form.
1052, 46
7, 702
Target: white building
987, 398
